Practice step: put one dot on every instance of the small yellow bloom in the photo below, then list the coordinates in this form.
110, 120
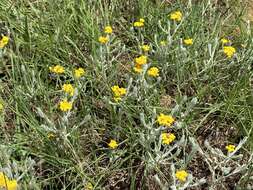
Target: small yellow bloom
166, 120
69, 89
138, 24
181, 175
88, 186
4, 41
138, 68
117, 99
230, 148
79, 72
177, 16
153, 72
65, 105
117, 91
141, 60
163, 43
6, 183
141, 20
229, 51
168, 138
225, 41
58, 69
108, 30
103, 39
113, 144
145, 48
188, 41
1, 106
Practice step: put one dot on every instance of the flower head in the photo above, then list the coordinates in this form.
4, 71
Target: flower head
153, 72
225, 41
88, 186
58, 69
181, 175
103, 39
139, 23
108, 30
145, 48
229, 51
113, 144
117, 91
177, 16
51, 135
168, 138
141, 60
188, 41
65, 105
69, 89
4, 41
6, 183
138, 68
79, 72
166, 120
230, 148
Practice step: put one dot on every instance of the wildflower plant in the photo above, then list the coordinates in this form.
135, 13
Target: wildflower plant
160, 98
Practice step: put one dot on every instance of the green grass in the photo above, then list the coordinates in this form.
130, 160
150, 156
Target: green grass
211, 95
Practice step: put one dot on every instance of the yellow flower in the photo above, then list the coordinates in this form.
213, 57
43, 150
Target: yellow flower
229, 51
117, 99
141, 20
225, 41
108, 30
65, 105
6, 183
166, 120
12, 185
145, 48
163, 43
4, 41
138, 68
57, 69
141, 60
103, 39
177, 16
117, 91
79, 72
113, 144
230, 148
168, 138
153, 72
69, 89
88, 186
181, 175
188, 41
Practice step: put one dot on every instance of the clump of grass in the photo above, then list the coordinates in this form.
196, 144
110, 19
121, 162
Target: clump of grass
129, 95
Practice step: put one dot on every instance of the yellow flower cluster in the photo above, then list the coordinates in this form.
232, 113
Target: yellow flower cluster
105, 39
139, 62
188, 41
58, 69
177, 16
225, 41
139, 23
78, 73
6, 183
229, 51
168, 138
69, 89
153, 72
118, 92
65, 105
145, 48
4, 41
230, 148
165, 120
113, 144
181, 175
